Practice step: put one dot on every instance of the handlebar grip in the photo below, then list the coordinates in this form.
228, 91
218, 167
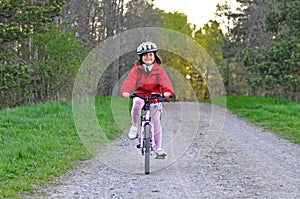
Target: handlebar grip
132, 95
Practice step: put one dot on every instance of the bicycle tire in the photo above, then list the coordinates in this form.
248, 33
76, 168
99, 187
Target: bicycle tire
147, 139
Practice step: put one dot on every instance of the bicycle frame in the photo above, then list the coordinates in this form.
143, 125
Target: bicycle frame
146, 136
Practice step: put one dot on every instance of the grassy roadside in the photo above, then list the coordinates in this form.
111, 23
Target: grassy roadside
39, 142
281, 116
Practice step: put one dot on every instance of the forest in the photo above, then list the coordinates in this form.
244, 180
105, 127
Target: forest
44, 42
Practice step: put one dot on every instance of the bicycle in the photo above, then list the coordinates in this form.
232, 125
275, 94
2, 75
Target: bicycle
146, 135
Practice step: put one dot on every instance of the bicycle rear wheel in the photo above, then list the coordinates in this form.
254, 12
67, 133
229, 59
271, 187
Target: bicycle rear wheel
147, 148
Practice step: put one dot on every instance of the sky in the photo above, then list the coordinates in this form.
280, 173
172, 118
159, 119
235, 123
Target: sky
198, 12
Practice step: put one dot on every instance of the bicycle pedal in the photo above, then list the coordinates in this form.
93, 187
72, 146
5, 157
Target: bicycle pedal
160, 157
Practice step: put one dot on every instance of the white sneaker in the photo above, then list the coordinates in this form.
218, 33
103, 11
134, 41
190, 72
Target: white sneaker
160, 154
132, 133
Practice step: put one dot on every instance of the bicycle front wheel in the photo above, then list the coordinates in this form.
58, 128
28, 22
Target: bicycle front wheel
147, 143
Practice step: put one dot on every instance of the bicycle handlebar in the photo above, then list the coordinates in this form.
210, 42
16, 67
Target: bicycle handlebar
158, 96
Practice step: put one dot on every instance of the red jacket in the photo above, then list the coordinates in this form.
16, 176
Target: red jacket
139, 81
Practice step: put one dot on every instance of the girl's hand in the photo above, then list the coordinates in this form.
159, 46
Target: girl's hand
126, 94
167, 94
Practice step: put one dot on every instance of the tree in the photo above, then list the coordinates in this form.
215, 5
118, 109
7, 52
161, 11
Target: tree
210, 37
39, 58
189, 74
264, 44
50, 76
278, 66
177, 21
141, 13
19, 19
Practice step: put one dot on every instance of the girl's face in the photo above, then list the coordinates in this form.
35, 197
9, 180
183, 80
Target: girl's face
148, 58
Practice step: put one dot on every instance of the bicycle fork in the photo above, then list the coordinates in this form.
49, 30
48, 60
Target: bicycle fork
146, 121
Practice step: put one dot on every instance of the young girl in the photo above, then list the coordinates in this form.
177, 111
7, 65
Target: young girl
146, 77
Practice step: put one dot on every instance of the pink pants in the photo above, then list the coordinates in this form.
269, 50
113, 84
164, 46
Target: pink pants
138, 104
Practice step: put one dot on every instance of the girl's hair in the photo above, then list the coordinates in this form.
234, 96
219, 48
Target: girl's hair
157, 59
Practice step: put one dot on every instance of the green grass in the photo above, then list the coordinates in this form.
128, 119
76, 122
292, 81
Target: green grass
113, 114
39, 142
281, 116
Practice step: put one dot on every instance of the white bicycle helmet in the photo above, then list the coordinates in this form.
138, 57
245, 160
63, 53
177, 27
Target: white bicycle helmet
146, 47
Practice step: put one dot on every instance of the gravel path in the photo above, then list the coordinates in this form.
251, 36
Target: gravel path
211, 154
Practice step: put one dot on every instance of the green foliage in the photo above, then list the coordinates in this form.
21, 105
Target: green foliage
189, 89
14, 84
210, 37
58, 59
275, 114
177, 21
23, 17
60, 55
285, 19
188, 82
141, 14
19, 20
276, 68
272, 22
266, 42
38, 62
291, 14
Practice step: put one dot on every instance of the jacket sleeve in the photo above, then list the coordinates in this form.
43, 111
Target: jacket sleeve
130, 81
165, 82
